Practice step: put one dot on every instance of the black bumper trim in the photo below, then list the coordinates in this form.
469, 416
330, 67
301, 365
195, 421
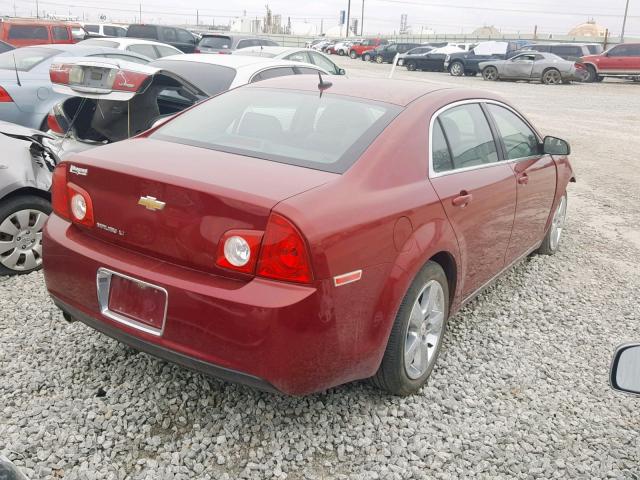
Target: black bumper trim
164, 353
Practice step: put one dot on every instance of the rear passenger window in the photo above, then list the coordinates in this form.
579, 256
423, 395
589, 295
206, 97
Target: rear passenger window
440, 150
519, 140
273, 73
94, 29
470, 140
144, 49
60, 33
28, 32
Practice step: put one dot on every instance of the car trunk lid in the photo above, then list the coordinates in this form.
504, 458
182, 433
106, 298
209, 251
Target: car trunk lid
174, 201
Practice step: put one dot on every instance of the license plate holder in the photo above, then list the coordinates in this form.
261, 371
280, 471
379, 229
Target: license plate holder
132, 302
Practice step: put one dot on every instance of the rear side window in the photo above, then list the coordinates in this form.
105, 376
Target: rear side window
518, 138
93, 28
273, 73
144, 49
60, 33
114, 31
440, 150
28, 32
165, 51
469, 136
142, 31
216, 42
299, 57
326, 133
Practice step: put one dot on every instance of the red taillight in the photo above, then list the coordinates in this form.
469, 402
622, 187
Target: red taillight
59, 198
4, 96
224, 52
127, 81
238, 250
196, 50
113, 79
70, 201
54, 126
60, 73
284, 254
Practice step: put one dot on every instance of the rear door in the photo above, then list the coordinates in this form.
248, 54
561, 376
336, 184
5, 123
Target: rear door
477, 190
535, 179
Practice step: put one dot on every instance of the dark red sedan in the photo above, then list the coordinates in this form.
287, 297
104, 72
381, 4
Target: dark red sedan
295, 236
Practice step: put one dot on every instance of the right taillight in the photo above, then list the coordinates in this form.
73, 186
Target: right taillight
54, 125
284, 254
69, 201
4, 96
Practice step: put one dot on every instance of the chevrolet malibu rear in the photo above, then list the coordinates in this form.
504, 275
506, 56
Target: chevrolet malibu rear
297, 234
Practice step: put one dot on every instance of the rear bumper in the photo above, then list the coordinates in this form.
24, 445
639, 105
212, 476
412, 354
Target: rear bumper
297, 339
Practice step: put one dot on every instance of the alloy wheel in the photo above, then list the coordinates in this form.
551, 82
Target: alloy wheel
424, 330
557, 224
552, 77
21, 240
411, 67
457, 70
379, 59
490, 73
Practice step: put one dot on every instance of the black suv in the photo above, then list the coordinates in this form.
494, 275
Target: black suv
177, 37
386, 53
466, 63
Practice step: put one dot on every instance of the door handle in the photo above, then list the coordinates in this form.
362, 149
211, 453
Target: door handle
462, 200
523, 179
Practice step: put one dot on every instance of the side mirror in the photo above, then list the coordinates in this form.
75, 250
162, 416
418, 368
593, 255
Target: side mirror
342, 71
625, 369
555, 146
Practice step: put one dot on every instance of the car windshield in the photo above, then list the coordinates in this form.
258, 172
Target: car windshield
24, 59
215, 42
212, 79
327, 132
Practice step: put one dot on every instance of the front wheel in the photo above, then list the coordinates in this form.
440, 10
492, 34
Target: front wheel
411, 66
490, 74
366, 57
551, 77
456, 69
417, 333
353, 54
341, 53
592, 75
21, 222
551, 241
379, 59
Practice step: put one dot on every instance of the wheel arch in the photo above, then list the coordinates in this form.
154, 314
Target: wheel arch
23, 191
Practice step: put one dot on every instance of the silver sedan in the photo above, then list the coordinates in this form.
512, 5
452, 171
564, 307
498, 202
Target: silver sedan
544, 67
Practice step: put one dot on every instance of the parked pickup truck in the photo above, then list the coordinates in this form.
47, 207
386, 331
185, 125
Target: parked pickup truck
466, 63
368, 44
621, 61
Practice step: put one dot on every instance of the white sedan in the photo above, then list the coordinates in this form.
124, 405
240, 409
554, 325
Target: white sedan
148, 48
303, 55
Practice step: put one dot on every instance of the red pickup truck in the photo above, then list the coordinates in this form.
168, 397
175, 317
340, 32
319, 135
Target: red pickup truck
358, 49
620, 61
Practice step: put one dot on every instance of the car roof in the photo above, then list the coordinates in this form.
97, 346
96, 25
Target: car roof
232, 61
276, 50
126, 41
84, 50
397, 92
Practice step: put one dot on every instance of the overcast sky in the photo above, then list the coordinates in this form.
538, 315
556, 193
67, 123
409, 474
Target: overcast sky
443, 16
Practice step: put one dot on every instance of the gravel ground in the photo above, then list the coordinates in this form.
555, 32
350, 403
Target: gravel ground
520, 390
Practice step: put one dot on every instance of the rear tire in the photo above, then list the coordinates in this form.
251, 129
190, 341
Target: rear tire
379, 59
551, 242
490, 73
592, 75
411, 67
551, 76
21, 221
456, 69
417, 333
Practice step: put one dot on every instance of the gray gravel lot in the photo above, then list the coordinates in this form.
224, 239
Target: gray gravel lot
520, 390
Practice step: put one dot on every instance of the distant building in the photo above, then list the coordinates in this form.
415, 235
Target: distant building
486, 32
588, 29
304, 29
246, 25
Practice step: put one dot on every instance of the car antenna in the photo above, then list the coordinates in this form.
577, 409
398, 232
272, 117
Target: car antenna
15, 66
322, 86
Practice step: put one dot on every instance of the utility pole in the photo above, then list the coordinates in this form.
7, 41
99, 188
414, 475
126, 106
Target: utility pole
624, 21
140, 17
37, 10
362, 21
348, 15
197, 17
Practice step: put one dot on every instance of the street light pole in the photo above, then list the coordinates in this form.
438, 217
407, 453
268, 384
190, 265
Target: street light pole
348, 15
362, 21
624, 21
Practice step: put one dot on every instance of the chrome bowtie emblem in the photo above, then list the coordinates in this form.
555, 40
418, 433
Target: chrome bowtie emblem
150, 203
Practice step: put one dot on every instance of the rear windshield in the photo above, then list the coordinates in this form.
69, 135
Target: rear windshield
25, 58
212, 79
327, 132
142, 31
216, 42
96, 42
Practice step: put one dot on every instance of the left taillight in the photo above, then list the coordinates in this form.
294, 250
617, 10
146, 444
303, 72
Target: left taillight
4, 96
69, 200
